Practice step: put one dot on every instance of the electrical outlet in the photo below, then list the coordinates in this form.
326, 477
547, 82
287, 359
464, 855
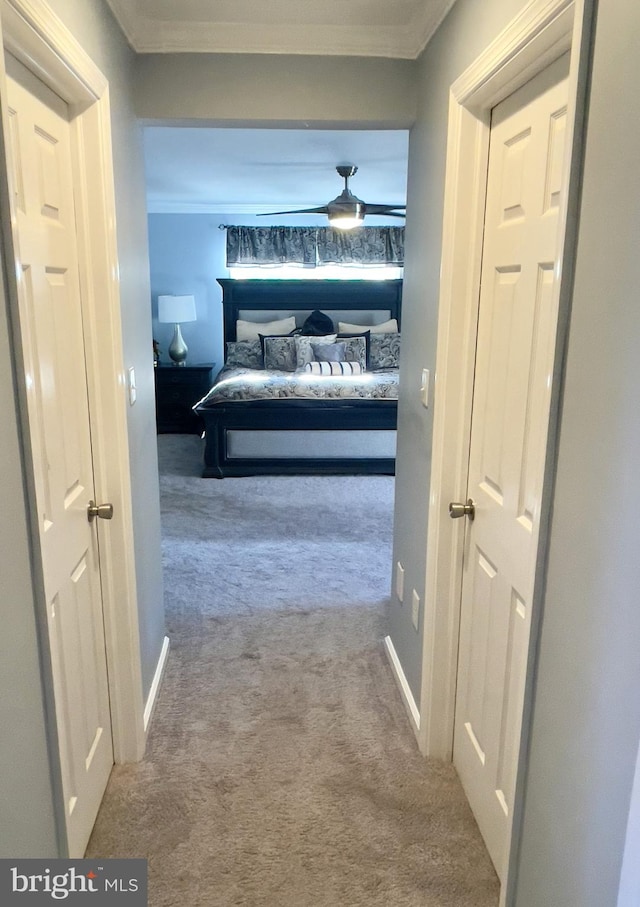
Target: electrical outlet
400, 581
415, 609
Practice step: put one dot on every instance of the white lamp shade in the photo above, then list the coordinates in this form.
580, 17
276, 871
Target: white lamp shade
176, 309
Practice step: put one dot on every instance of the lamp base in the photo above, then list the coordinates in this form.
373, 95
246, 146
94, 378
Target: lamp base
178, 349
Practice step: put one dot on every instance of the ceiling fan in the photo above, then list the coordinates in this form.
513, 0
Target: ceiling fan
347, 211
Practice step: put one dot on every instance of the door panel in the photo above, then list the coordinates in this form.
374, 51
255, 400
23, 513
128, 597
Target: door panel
514, 362
53, 345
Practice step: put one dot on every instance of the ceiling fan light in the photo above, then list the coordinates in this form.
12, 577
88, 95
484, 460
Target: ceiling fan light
346, 211
346, 221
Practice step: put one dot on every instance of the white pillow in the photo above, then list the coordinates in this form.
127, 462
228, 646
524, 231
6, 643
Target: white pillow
251, 330
387, 327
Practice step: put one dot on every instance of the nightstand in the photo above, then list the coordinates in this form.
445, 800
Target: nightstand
177, 389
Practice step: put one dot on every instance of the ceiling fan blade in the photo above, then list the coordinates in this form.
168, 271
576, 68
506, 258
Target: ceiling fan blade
322, 210
387, 213
384, 209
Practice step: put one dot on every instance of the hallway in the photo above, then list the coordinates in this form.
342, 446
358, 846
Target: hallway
281, 768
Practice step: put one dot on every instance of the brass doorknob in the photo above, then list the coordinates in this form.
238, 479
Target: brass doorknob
457, 509
102, 511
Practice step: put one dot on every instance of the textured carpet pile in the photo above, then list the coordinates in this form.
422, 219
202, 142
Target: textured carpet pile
281, 770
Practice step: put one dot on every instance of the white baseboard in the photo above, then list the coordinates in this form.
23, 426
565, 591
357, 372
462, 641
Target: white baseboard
155, 683
403, 686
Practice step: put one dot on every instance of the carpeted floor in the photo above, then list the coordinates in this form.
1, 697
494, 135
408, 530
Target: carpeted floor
281, 770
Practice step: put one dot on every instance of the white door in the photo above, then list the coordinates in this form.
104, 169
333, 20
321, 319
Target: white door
54, 357
514, 362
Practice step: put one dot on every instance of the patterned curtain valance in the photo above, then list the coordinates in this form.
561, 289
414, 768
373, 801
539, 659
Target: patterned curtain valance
315, 246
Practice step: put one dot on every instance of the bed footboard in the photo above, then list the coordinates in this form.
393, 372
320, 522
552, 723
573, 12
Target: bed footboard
299, 437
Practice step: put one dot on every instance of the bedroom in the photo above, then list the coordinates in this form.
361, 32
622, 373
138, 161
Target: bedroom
200, 181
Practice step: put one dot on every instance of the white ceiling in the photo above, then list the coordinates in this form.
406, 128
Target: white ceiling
245, 171
373, 28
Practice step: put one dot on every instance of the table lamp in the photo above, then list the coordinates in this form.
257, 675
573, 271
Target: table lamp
175, 310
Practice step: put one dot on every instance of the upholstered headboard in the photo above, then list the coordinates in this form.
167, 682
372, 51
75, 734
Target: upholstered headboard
353, 301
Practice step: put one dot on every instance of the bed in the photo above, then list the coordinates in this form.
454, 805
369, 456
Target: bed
278, 421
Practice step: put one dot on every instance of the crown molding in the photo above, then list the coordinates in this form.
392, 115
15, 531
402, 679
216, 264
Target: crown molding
146, 35
426, 25
128, 20
227, 38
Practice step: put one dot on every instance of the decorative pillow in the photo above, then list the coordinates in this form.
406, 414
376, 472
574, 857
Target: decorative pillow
317, 323
329, 352
356, 348
244, 354
334, 368
387, 327
279, 353
304, 350
251, 330
384, 351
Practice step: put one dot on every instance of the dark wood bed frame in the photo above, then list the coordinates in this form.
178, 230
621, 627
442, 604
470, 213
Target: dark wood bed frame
287, 296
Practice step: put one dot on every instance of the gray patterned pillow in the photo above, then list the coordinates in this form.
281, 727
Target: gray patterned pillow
384, 351
279, 353
244, 354
304, 350
356, 348
328, 352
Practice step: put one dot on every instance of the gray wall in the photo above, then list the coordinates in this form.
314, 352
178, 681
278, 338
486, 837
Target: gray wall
243, 89
467, 30
94, 27
586, 723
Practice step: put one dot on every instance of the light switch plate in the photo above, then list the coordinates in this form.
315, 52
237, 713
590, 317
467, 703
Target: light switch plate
415, 609
131, 384
400, 581
424, 388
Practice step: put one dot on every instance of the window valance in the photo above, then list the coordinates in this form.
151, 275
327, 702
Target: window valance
315, 246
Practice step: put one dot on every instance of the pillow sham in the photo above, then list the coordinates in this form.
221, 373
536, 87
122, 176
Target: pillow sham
244, 354
387, 327
304, 350
251, 330
279, 353
334, 368
356, 348
329, 352
384, 351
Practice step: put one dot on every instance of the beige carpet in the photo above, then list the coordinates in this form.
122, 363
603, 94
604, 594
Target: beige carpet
281, 769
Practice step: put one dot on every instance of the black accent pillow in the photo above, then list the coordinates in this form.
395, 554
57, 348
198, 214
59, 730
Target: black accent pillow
263, 337
318, 323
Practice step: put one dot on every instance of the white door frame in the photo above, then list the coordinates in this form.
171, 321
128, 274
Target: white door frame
38, 38
542, 32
